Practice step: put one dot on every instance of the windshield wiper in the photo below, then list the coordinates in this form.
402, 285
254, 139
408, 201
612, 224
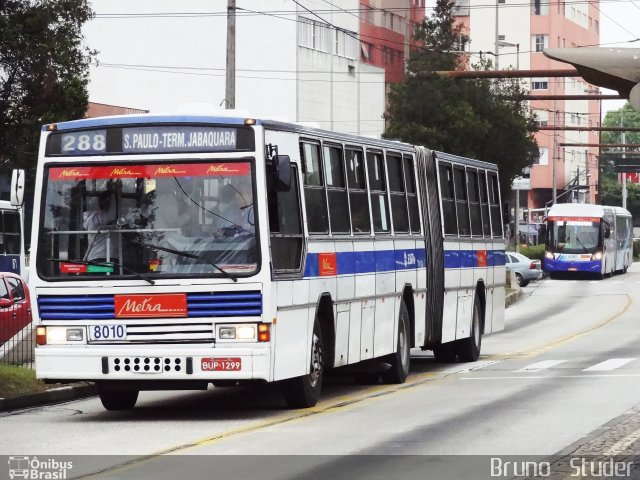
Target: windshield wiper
188, 255
582, 245
104, 264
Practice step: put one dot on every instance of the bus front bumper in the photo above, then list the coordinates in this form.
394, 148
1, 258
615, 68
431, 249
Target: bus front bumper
154, 363
593, 266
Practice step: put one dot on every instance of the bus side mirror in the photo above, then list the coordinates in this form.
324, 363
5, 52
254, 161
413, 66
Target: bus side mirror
281, 173
17, 187
607, 232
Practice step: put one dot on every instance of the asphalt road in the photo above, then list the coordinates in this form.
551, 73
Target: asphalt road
567, 363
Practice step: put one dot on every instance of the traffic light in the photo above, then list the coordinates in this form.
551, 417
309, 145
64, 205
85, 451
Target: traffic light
614, 68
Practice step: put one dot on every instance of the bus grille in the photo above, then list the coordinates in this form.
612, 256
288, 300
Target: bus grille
101, 307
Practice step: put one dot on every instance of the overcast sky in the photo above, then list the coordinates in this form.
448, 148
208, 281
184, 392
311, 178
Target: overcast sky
140, 56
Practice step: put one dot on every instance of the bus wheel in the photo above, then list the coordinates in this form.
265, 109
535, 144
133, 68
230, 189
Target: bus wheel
445, 353
118, 399
304, 391
469, 348
402, 357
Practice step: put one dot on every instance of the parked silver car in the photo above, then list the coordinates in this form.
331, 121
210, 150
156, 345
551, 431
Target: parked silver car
525, 269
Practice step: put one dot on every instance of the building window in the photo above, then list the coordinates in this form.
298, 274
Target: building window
539, 42
542, 117
365, 52
543, 159
540, 84
313, 35
540, 7
461, 8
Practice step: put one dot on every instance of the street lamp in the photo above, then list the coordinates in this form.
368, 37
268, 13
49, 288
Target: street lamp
502, 43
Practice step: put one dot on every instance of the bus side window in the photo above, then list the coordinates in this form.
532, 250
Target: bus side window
285, 224
494, 205
484, 204
314, 193
474, 203
462, 205
398, 198
378, 191
357, 184
448, 201
336, 189
11, 232
412, 195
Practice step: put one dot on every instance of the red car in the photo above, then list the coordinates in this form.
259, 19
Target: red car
15, 306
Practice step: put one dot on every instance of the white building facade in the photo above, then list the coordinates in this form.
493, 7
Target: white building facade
294, 62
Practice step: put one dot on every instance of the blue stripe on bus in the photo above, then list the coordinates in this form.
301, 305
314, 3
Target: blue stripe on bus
10, 263
350, 263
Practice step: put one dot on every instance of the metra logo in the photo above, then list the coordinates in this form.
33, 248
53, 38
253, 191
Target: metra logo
168, 171
123, 171
169, 305
221, 169
327, 264
71, 172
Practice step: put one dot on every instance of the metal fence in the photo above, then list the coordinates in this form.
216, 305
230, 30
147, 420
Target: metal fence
17, 336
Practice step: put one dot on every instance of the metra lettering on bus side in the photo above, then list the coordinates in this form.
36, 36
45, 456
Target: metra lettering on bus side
165, 305
327, 264
482, 258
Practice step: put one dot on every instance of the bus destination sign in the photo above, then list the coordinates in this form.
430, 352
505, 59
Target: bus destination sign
151, 139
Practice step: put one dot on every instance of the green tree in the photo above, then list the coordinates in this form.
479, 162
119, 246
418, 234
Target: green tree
610, 187
44, 67
479, 118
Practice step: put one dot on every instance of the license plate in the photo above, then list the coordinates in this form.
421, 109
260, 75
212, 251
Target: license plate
108, 332
225, 364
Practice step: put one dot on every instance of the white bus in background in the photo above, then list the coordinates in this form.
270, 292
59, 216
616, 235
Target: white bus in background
588, 238
235, 249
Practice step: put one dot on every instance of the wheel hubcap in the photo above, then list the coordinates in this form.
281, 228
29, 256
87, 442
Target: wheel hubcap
316, 360
404, 346
476, 328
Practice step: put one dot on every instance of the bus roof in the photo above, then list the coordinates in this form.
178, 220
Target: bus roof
584, 210
231, 117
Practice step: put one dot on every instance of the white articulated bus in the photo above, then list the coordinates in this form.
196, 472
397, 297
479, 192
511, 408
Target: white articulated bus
588, 238
176, 251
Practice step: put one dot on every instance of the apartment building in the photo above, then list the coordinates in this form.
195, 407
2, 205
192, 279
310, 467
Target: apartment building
387, 30
514, 35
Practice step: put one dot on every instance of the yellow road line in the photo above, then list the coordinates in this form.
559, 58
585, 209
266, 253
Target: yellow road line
569, 338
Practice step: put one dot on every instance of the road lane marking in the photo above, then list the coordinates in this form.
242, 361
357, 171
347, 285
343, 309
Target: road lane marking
553, 377
468, 367
610, 364
543, 365
533, 352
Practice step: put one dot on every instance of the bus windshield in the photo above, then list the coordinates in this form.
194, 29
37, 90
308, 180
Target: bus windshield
574, 235
149, 220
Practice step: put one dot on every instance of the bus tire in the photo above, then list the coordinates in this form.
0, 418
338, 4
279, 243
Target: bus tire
469, 348
445, 353
304, 391
401, 359
118, 399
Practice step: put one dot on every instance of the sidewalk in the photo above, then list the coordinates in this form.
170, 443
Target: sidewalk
53, 395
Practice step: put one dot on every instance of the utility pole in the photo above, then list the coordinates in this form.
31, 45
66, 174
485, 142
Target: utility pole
230, 91
624, 174
587, 175
553, 157
497, 38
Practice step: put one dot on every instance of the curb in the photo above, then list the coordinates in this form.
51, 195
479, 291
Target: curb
512, 298
54, 395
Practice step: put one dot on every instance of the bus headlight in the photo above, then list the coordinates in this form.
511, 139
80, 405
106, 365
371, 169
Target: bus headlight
241, 332
59, 335
596, 256
548, 255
